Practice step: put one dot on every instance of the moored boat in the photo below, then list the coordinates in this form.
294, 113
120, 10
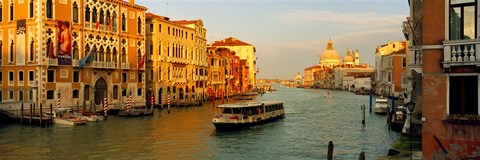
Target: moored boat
247, 114
381, 106
65, 116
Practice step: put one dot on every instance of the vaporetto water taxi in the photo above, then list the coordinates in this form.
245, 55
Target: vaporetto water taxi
246, 114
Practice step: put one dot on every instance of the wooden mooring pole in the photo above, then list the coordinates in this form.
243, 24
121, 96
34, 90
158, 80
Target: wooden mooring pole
41, 115
21, 114
30, 113
33, 109
363, 115
51, 114
330, 151
361, 156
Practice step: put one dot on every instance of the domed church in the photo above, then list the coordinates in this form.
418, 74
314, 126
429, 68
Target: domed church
329, 57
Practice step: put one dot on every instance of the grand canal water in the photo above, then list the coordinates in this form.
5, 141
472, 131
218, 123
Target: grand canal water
187, 133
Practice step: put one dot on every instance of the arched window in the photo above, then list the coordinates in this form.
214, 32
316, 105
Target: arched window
49, 9
139, 25
1, 13
94, 15
101, 16
30, 95
20, 95
124, 55
114, 55
75, 51
10, 94
11, 11
124, 23
32, 50
87, 14
11, 52
75, 12
30, 9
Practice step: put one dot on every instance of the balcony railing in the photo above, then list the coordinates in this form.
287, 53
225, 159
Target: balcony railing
75, 63
126, 65
461, 52
52, 62
110, 64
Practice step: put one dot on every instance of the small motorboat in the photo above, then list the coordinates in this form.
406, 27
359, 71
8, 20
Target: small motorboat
327, 94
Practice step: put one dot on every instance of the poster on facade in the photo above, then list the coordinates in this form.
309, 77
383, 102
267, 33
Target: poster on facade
20, 42
64, 37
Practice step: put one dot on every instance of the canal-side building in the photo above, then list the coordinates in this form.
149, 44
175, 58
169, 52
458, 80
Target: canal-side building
80, 51
450, 66
177, 60
216, 73
390, 62
232, 71
246, 52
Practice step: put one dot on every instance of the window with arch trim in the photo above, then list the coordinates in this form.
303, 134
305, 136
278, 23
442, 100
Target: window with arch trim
20, 95
32, 51
124, 23
11, 11
10, 94
12, 49
75, 12
30, 9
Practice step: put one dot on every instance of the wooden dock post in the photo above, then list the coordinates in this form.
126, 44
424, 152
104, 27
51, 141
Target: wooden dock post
330, 151
363, 115
41, 115
361, 156
33, 108
84, 106
30, 113
21, 114
51, 114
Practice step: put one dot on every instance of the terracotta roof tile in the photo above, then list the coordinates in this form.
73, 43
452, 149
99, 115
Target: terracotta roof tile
230, 41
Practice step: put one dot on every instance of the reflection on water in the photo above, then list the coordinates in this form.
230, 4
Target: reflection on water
187, 133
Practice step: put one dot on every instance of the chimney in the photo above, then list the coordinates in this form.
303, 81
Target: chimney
131, 1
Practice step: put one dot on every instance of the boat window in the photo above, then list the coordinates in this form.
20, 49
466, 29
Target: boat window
237, 111
227, 110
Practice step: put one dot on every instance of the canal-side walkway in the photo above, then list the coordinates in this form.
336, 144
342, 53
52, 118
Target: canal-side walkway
400, 150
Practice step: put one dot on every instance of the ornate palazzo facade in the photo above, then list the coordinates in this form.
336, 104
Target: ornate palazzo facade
177, 59
80, 50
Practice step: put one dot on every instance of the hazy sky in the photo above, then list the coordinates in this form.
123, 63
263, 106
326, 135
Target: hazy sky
290, 35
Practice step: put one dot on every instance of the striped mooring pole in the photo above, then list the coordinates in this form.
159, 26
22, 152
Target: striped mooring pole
105, 107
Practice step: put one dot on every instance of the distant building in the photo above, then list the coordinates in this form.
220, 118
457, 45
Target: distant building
330, 72
390, 62
298, 81
246, 52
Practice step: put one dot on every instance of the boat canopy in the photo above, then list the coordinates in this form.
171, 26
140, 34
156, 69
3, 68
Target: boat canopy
248, 104
381, 100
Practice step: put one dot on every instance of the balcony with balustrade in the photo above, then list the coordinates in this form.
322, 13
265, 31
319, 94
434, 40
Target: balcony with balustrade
461, 53
125, 65
52, 62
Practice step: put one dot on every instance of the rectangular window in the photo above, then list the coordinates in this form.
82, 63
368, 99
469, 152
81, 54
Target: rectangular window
124, 77
31, 76
124, 92
30, 8
86, 92
139, 92
1, 78
139, 77
115, 91
151, 27
50, 76
76, 76
159, 27
75, 94
151, 49
462, 19
1, 14
20, 76
10, 76
463, 95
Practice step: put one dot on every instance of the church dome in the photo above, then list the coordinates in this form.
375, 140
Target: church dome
348, 58
329, 56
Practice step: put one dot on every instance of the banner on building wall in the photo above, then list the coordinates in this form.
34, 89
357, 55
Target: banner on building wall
64, 37
20, 42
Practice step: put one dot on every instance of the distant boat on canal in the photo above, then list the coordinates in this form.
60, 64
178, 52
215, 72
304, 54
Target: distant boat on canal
381, 105
247, 114
327, 94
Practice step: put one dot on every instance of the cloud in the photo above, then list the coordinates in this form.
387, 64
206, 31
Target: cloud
367, 19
